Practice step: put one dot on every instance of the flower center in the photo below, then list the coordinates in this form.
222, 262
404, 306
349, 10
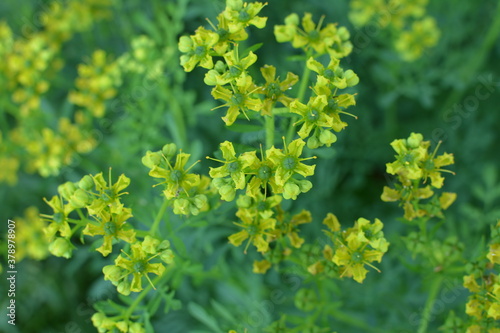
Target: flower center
233, 166
314, 35
58, 217
329, 74
243, 16
109, 228
199, 51
237, 99
223, 34
357, 257
289, 163
107, 195
312, 116
264, 172
139, 267
234, 71
273, 90
176, 175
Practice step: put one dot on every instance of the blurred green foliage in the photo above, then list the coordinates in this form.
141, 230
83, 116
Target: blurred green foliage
216, 290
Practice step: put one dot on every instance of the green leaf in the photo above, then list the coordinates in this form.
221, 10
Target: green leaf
252, 48
223, 312
199, 313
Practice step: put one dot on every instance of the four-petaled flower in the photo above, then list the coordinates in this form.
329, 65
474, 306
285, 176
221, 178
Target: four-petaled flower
274, 89
354, 255
177, 178
112, 225
242, 14
289, 162
238, 99
197, 48
137, 263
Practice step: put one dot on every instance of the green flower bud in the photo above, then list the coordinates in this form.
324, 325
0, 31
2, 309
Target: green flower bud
200, 201
414, 140
79, 199
112, 273
327, 138
169, 150
167, 256
291, 191
312, 142
61, 247
123, 287
66, 190
351, 77
122, 326
227, 192
244, 201
150, 244
136, 328
151, 159
86, 183
181, 206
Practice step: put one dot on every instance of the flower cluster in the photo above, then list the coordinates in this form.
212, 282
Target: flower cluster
109, 324
352, 249
108, 219
48, 150
483, 282
30, 64
30, 238
321, 115
186, 191
262, 222
240, 92
96, 83
414, 167
279, 169
102, 201
414, 32
328, 39
138, 264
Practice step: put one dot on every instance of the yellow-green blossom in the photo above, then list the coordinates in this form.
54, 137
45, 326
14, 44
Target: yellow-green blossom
274, 89
111, 225
240, 15
238, 99
197, 49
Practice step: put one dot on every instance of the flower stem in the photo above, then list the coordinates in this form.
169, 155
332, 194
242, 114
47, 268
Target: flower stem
426, 316
269, 131
161, 212
140, 297
304, 81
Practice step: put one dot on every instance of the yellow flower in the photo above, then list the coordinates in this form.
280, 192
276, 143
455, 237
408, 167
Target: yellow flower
494, 254
255, 229
353, 256
261, 267
112, 225
238, 99
30, 238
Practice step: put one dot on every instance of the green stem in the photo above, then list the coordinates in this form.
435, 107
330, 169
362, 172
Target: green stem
304, 81
140, 297
436, 285
180, 123
159, 216
354, 322
269, 131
